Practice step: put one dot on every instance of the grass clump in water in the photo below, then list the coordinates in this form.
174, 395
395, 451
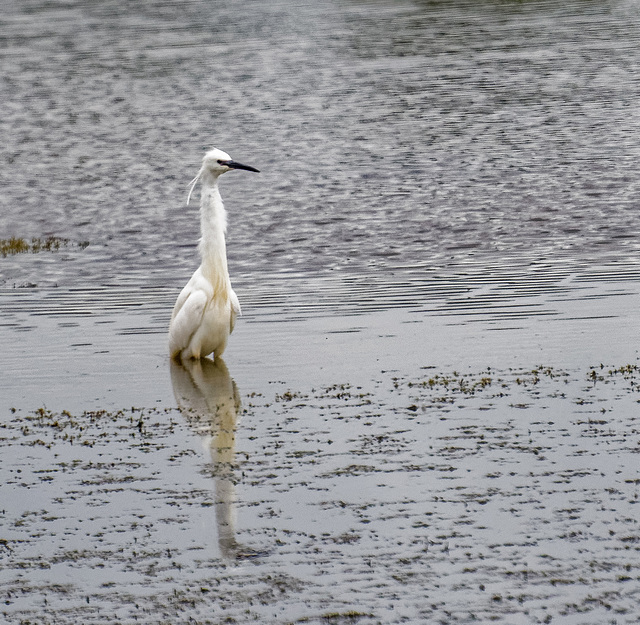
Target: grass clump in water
456, 383
18, 245
628, 372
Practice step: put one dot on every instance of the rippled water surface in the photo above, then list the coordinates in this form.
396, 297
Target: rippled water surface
410, 137
447, 189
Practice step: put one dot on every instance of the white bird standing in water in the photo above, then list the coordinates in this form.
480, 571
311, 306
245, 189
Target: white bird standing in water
206, 309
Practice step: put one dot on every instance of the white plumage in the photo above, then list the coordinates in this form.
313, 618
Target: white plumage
206, 309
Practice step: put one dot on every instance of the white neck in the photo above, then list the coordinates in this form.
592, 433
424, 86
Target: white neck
213, 226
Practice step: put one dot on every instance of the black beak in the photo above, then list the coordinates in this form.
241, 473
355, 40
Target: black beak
234, 165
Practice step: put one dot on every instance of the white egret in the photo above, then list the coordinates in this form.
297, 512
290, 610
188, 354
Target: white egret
206, 309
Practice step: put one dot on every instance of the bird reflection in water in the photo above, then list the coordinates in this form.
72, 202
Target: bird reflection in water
209, 400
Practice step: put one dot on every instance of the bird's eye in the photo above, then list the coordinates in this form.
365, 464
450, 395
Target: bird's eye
219, 162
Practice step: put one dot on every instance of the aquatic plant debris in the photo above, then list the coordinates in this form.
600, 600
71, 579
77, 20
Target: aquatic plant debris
446, 496
17, 245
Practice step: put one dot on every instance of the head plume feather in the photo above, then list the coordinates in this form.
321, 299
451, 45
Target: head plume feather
192, 185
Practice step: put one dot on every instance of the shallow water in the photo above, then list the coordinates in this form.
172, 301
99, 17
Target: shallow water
502, 495
448, 195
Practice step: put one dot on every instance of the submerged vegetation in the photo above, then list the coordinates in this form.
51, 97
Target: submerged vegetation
630, 373
409, 487
17, 245
446, 388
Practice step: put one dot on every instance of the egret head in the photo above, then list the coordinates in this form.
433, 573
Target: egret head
218, 162
215, 163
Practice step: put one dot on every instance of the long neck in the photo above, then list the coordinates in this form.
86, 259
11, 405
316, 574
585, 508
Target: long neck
213, 226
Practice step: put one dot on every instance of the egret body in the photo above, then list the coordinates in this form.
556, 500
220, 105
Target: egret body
206, 309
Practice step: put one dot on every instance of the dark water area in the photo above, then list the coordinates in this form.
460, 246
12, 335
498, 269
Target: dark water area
395, 139
428, 411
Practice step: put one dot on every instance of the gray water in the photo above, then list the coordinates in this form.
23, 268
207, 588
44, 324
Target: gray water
410, 138
446, 189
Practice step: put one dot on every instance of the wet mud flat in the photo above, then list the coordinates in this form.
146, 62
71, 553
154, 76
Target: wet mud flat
438, 496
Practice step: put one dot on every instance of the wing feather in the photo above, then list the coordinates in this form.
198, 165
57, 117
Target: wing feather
186, 319
235, 309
